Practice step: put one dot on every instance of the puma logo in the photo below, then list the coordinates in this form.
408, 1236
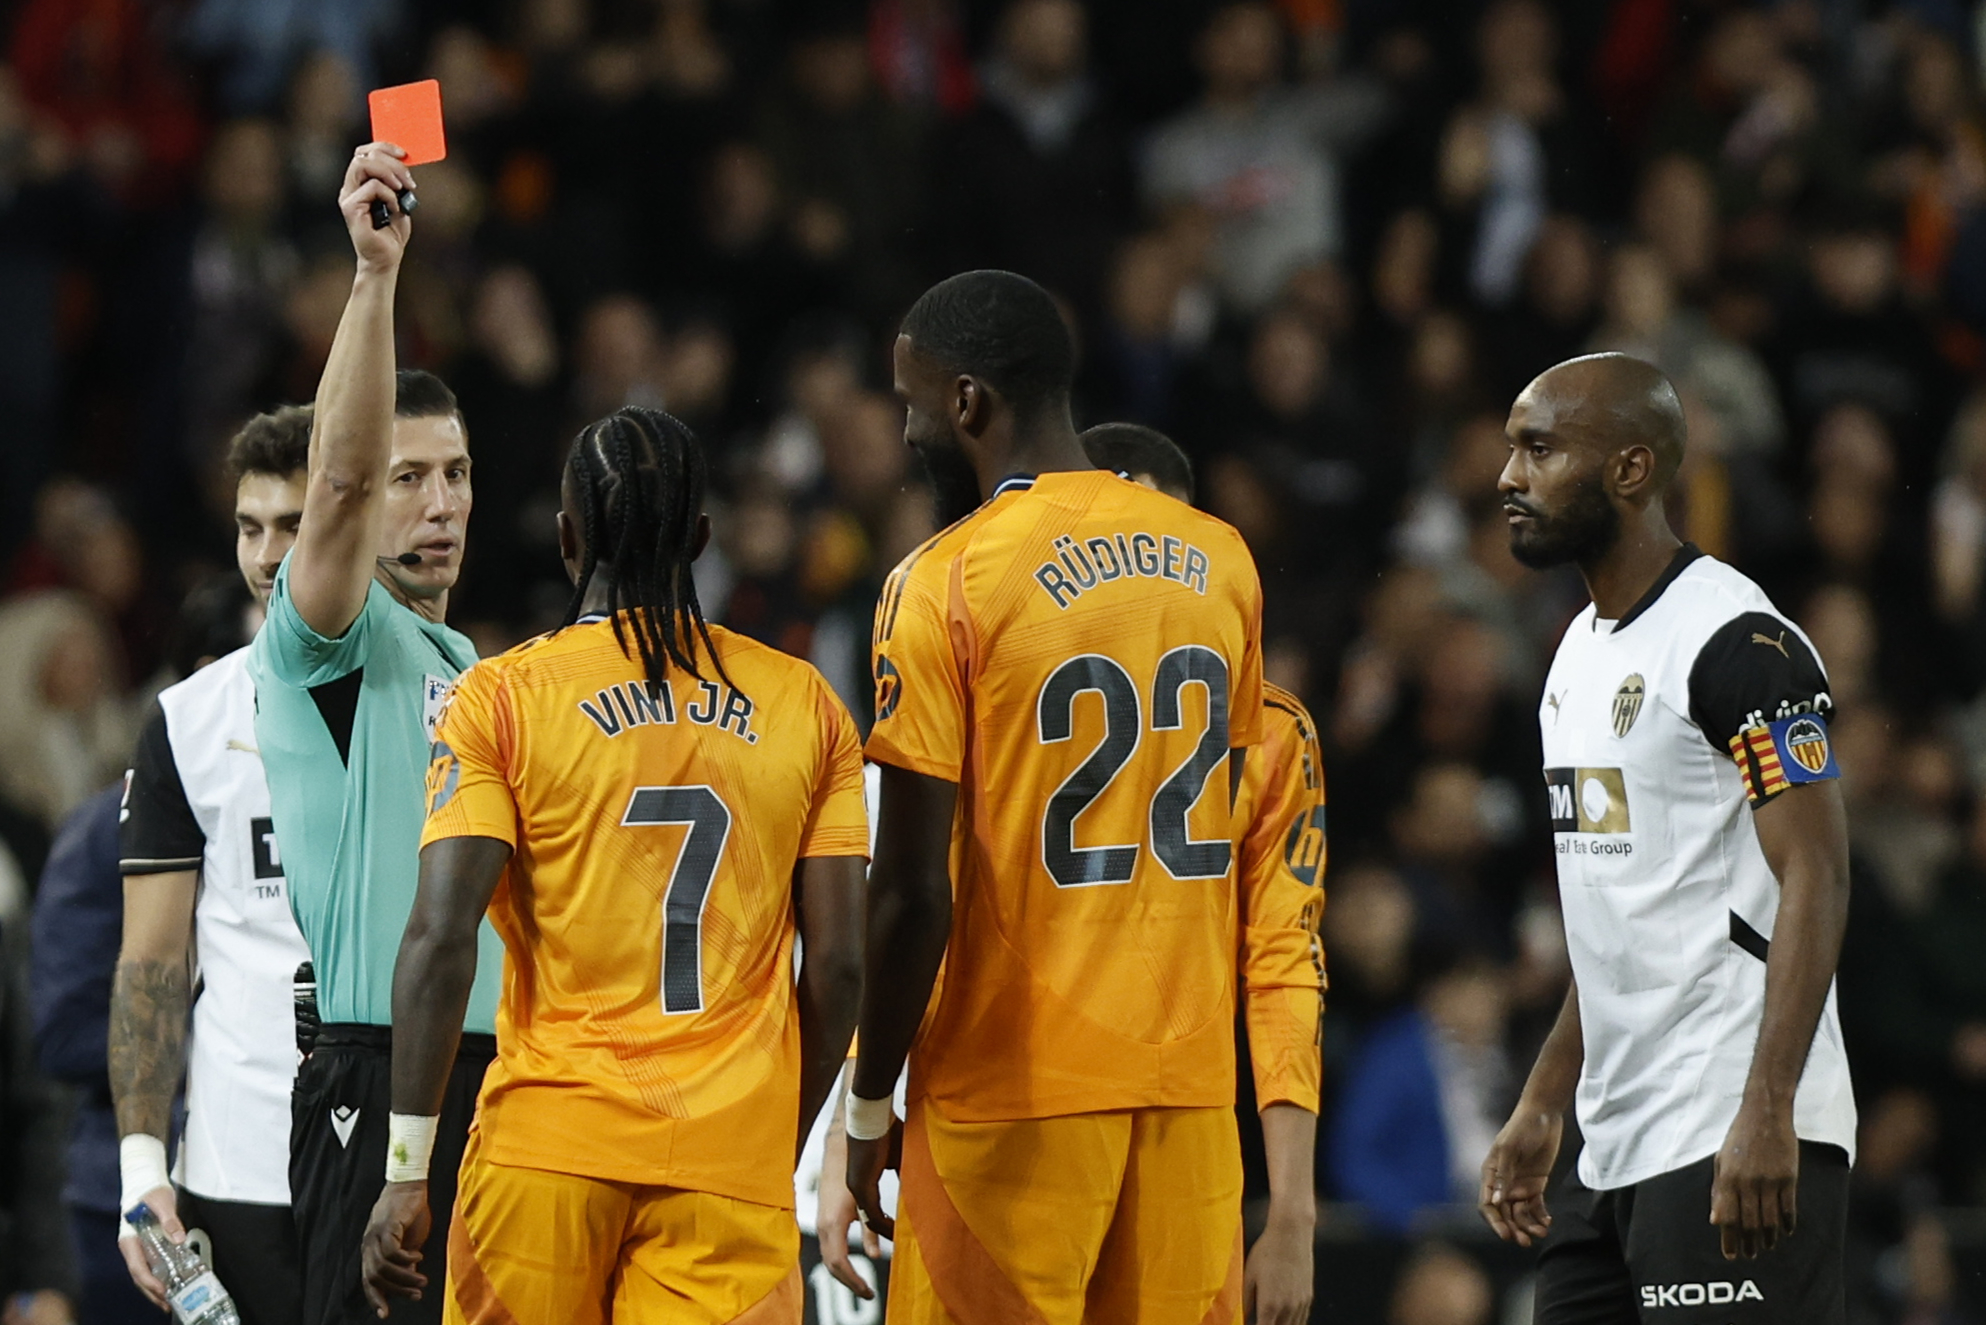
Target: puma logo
1553, 701
1769, 642
244, 747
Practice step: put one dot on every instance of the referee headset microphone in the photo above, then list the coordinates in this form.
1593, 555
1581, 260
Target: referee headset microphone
631, 521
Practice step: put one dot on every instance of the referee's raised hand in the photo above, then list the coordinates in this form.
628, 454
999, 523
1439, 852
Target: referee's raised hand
376, 175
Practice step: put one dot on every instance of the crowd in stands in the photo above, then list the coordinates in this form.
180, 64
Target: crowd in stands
1322, 243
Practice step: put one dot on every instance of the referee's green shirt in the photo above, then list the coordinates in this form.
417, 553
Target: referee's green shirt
344, 725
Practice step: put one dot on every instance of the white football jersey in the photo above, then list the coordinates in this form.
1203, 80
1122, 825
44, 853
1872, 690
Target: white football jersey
1661, 732
241, 1054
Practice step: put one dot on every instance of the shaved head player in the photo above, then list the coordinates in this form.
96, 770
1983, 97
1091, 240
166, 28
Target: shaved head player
1703, 868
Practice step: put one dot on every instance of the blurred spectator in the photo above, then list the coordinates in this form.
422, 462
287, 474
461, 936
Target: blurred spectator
1557, 306
254, 41
322, 126
918, 50
1510, 158
97, 68
1441, 1286
848, 159
1729, 382
1424, 1100
1047, 190
1260, 156
508, 383
78, 923
65, 729
241, 272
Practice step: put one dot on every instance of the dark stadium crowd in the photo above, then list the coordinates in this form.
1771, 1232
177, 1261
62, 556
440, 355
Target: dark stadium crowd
1321, 243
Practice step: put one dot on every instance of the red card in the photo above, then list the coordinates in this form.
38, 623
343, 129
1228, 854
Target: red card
409, 117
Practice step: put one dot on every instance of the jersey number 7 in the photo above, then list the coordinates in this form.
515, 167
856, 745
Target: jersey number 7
1183, 856
709, 822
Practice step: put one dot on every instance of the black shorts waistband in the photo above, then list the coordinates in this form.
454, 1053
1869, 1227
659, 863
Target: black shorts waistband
379, 1039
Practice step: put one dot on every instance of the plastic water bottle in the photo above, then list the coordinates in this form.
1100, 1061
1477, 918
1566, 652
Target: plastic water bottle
196, 1295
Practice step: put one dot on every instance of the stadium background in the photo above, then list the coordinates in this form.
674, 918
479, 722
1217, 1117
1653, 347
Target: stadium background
1321, 242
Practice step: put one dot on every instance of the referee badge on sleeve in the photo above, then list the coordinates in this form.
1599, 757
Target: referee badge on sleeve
1785, 753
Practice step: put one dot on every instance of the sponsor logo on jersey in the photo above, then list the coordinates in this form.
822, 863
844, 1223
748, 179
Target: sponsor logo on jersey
1587, 800
1715, 1293
1773, 642
267, 855
1627, 703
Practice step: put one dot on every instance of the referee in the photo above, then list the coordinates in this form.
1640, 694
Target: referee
1703, 870
202, 874
351, 668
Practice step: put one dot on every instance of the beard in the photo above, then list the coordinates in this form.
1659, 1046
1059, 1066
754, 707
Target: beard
1584, 530
954, 483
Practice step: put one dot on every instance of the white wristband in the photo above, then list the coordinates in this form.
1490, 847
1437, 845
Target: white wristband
142, 1168
409, 1146
868, 1120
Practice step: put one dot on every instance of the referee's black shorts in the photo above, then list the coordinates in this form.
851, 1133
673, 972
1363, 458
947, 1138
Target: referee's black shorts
1649, 1255
338, 1109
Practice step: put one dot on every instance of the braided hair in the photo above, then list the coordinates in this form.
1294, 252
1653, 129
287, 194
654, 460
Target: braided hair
639, 476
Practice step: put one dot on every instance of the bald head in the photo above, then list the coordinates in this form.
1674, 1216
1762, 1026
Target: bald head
1611, 401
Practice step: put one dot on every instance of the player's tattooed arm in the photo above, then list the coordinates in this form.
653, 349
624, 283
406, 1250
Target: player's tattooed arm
1804, 834
149, 999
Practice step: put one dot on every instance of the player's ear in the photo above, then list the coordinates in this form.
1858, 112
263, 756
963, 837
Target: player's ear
1634, 471
702, 539
568, 539
970, 405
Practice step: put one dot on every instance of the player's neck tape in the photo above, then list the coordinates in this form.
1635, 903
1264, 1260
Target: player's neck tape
409, 1146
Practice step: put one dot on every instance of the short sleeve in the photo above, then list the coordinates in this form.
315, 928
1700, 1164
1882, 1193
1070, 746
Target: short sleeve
838, 821
156, 832
1760, 695
920, 688
294, 654
469, 791
1245, 698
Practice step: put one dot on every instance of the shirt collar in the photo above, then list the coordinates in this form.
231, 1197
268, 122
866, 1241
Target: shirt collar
1685, 554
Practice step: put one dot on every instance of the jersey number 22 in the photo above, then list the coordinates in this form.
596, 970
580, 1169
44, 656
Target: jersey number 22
1183, 856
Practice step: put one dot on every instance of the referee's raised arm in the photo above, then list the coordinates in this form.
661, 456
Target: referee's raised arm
331, 569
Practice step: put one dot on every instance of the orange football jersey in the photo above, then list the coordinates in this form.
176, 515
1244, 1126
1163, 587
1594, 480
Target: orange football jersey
1080, 655
647, 1031
1281, 814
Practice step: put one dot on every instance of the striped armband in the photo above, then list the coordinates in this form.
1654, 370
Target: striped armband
1785, 753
